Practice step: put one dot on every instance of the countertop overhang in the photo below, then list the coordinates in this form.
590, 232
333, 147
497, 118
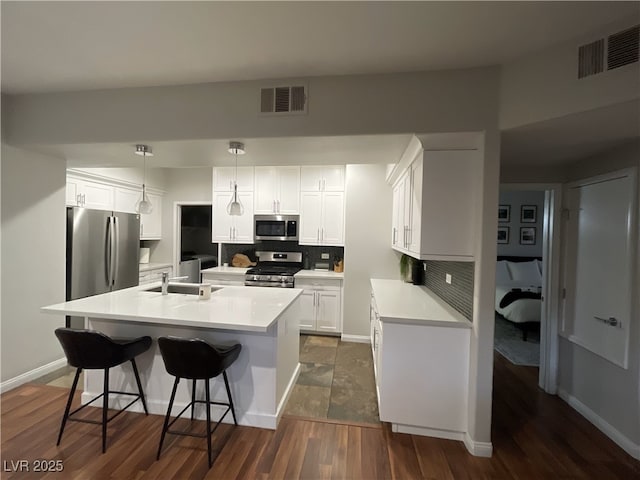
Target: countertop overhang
402, 302
251, 309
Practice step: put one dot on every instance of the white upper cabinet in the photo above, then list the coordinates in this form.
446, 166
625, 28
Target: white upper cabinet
224, 177
89, 194
126, 199
434, 204
277, 190
327, 178
232, 229
321, 218
151, 223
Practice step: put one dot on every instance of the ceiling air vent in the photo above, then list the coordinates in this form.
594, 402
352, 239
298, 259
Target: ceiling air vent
623, 48
591, 58
283, 100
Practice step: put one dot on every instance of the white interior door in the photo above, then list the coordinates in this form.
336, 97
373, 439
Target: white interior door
600, 263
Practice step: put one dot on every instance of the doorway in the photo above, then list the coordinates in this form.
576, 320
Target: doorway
193, 248
529, 245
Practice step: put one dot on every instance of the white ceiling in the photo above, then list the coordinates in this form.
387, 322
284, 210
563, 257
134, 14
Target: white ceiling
259, 151
83, 45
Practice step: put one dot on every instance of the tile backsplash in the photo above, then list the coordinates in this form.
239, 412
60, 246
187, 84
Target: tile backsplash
458, 294
310, 254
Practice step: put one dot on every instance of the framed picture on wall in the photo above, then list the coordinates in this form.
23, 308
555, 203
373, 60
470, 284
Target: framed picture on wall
504, 213
527, 235
529, 214
503, 235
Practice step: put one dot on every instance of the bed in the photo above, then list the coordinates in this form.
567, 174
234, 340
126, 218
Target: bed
518, 291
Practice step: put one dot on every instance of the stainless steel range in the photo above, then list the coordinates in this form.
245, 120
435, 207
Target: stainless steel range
274, 269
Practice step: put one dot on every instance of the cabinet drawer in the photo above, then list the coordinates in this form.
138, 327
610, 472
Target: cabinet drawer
319, 283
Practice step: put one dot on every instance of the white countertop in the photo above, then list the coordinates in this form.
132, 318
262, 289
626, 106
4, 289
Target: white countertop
403, 302
222, 269
151, 266
252, 309
319, 274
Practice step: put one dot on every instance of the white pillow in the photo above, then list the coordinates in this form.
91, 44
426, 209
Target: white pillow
503, 277
526, 272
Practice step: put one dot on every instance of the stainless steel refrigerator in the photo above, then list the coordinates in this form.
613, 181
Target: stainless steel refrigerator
103, 251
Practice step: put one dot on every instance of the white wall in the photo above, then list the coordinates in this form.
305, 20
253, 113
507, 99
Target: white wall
609, 391
33, 259
367, 248
441, 101
545, 84
516, 199
181, 184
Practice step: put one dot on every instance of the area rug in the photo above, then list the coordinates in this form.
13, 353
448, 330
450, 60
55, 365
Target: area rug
508, 342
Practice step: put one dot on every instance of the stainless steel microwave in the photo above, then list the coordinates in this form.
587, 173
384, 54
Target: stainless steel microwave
276, 227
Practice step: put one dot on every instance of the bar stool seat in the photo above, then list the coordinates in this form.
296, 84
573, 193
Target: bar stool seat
92, 350
196, 359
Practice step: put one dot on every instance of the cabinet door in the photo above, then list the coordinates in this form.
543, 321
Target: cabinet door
328, 310
288, 197
243, 225
308, 310
311, 179
265, 190
221, 222
396, 224
125, 200
151, 223
332, 232
333, 178
416, 206
310, 218
97, 195
406, 209
224, 177
72, 192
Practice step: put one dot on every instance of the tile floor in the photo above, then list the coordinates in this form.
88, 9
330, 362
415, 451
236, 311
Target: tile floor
336, 381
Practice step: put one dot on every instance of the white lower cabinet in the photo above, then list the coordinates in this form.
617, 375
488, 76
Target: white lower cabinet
422, 373
320, 305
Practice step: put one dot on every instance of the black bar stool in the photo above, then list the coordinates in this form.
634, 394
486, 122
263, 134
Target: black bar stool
91, 350
195, 359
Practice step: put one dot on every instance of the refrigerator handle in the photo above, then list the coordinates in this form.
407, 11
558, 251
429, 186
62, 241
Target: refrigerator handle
108, 251
116, 247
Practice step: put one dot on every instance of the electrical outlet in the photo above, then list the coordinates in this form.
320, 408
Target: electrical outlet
447, 278
424, 267
324, 256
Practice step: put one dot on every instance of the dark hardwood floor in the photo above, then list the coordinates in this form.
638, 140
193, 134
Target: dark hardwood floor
535, 436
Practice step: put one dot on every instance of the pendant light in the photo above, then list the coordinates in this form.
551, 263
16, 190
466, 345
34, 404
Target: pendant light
235, 207
144, 205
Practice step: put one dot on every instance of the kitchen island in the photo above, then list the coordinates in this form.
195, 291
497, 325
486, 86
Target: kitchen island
263, 320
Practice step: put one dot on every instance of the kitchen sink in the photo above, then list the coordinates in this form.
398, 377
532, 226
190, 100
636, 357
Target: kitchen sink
184, 288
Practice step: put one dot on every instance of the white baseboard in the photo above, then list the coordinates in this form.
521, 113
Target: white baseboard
601, 424
427, 432
32, 375
355, 338
477, 449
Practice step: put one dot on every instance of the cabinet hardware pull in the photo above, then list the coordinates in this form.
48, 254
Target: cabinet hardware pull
319, 185
278, 206
393, 237
324, 185
318, 235
229, 233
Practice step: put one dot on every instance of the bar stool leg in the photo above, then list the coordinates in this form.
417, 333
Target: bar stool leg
208, 405
226, 384
105, 407
165, 427
135, 372
193, 397
68, 407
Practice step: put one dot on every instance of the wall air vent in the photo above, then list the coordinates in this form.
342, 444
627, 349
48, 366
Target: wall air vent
591, 59
623, 48
283, 100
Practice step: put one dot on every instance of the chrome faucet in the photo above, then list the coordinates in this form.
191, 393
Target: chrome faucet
166, 280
